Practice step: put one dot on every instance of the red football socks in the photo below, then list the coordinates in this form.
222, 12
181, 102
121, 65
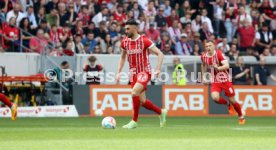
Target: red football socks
222, 101
150, 106
136, 107
237, 107
5, 100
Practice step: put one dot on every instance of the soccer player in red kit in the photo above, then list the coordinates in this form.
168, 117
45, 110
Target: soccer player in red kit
135, 48
12, 106
214, 61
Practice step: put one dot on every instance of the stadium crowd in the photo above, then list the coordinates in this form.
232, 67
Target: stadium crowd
177, 27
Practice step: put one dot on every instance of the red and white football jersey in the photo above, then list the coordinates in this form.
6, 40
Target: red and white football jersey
216, 59
138, 53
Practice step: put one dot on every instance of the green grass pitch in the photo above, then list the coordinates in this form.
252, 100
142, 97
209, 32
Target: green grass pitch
183, 133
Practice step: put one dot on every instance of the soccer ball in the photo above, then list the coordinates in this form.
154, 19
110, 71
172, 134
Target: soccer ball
98, 112
109, 123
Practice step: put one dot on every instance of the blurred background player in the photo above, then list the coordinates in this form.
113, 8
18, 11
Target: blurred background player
93, 71
135, 47
214, 62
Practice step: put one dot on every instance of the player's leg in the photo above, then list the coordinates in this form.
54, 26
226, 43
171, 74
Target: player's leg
237, 107
216, 89
146, 103
7, 102
215, 94
135, 93
230, 93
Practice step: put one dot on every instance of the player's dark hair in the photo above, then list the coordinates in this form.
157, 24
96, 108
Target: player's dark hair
64, 63
92, 59
132, 22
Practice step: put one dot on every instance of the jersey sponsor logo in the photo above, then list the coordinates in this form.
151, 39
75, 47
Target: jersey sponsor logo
134, 51
257, 100
112, 100
185, 101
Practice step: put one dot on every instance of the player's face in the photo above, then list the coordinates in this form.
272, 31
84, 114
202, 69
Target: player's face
209, 46
130, 30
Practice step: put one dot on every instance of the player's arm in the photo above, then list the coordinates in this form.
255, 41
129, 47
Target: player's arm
257, 76
245, 72
160, 56
121, 64
225, 66
273, 77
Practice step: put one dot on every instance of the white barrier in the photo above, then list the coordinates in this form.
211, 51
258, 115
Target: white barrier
42, 111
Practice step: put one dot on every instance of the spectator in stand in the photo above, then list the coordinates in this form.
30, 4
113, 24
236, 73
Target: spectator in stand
40, 15
112, 31
167, 50
233, 53
170, 19
64, 15
263, 38
273, 50
262, 72
159, 18
26, 34
101, 32
231, 14
68, 50
205, 18
11, 36
84, 16
90, 28
112, 5
54, 35
223, 46
196, 23
174, 32
205, 33
266, 52
97, 50
44, 26
78, 28
182, 47
53, 18
38, 43
196, 51
30, 15
79, 46
187, 8
240, 73
15, 13
105, 43
65, 33
186, 19
163, 41
119, 15
242, 17
266, 10
90, 39
167, 8
136, 10
51, 5
218, 16
195, 40
93, 71
153, 34
150, 12
101, 16
246, 35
